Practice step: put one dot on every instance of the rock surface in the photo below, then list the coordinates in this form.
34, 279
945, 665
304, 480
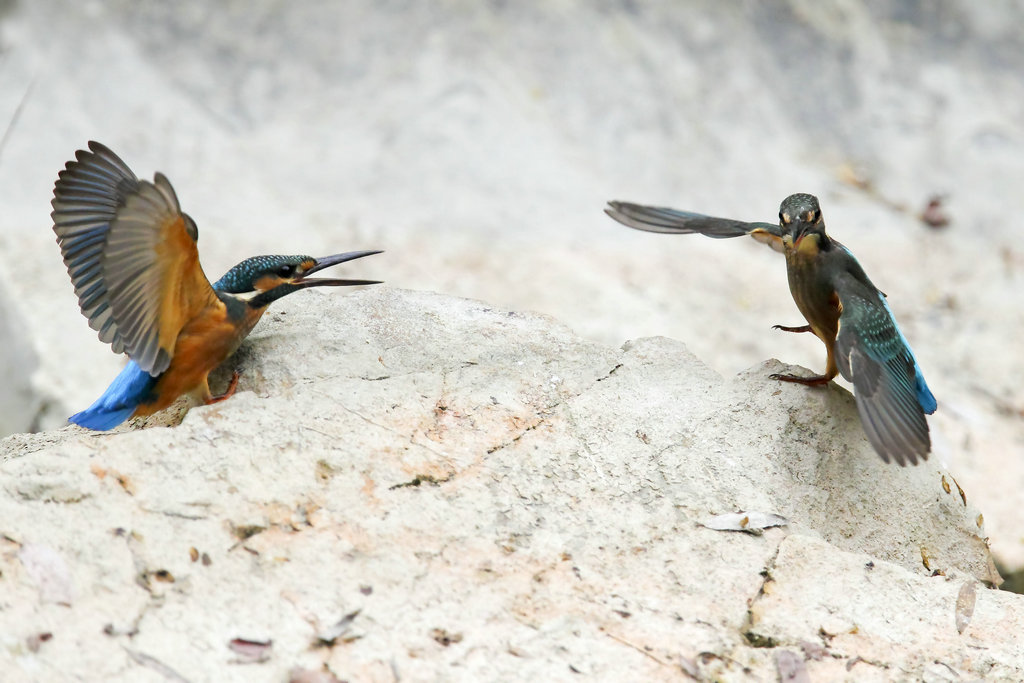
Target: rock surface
480, 153
418, 487
477, 143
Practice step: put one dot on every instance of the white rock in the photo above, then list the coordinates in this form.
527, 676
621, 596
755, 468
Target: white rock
405, 455
480, 155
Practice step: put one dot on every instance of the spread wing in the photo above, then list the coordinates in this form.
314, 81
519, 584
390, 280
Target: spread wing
872, 353
672, 221
131, 254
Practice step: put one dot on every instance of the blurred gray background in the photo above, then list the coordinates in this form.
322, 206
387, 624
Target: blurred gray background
476, 142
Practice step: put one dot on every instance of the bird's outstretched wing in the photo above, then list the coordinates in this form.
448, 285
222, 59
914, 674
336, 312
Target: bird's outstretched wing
672, 221
131, 254
892, 397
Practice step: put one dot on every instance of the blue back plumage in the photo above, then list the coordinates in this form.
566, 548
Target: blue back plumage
924, 394
130, 388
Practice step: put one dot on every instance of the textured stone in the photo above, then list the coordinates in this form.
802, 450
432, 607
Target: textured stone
481, 494
479, 156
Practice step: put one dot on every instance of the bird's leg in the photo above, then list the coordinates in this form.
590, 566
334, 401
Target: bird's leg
831, 370
232, 385
801, 328
816, 380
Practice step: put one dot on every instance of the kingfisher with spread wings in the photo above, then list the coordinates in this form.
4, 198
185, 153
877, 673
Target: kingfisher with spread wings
842, 307
131, 254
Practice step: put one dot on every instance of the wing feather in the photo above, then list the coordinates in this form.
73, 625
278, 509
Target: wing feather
85, 199
672, 221
131, 254
873, 355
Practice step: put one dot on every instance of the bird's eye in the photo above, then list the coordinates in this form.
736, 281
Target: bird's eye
286, 271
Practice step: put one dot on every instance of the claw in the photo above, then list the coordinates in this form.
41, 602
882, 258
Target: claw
815, 381
232, 385
801, 328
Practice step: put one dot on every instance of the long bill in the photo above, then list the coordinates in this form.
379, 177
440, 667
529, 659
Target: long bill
333, 260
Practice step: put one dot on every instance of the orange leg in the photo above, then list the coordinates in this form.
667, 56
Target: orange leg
831, 370
232, 385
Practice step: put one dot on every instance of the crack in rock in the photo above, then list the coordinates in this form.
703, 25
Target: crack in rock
747, 629
517, 437
544, 413
422, 479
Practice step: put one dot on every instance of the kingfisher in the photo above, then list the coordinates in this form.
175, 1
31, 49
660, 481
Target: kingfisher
842, 307
131, 254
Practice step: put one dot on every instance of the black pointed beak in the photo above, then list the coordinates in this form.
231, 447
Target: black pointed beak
333, 260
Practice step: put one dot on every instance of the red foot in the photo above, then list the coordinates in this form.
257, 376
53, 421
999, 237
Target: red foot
232, 385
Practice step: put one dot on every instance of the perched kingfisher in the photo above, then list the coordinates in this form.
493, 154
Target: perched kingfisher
131, 254
843, 308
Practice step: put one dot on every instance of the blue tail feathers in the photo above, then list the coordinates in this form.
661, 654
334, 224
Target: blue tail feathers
130, 388
924, 394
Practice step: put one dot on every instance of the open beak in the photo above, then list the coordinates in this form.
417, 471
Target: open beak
804, 229
327, 262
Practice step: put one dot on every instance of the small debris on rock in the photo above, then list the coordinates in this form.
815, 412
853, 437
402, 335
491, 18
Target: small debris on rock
251, 651
341, 631
925, 559
749, 522
965, 605
162, 575
35, 641
959, 489
246, 531
934, 216
444, 637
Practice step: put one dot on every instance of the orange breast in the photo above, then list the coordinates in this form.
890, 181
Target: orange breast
204, 342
